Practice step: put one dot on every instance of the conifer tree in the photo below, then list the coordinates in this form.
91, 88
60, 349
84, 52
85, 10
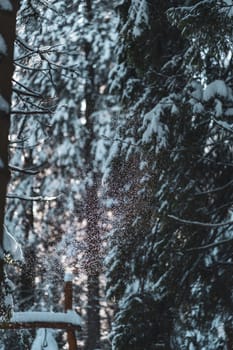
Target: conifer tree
67, 62
174, 210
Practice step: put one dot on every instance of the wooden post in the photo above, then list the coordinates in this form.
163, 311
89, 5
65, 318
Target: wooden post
68, 304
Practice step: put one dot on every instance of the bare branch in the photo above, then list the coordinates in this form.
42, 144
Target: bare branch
35, 93
19, 112
24, 44
21, 92
199, 223
39, 106
24, 171
34, 199
31, 68
210, 245
39, 143
23, 57
220, 188
71, 68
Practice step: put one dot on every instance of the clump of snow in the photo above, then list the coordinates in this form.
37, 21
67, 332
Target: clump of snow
115, 76
4, 105
112, 153
218, 108
224, 125
198, 108
3, 47
1, 164
44, 340
229, 8
139, 16
68, 276
216, 88
174, 110
8, 300
11, 246
152, 121
197, 90
6, 5
229, 112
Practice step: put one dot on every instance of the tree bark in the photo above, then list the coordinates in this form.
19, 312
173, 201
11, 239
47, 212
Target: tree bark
28, 272
92, 206
93, 270
93, 315
8, 12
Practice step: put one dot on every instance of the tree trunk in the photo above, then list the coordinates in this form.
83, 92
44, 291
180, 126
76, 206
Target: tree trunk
92, 207
28, 273
8, 11
93, 319
93, 270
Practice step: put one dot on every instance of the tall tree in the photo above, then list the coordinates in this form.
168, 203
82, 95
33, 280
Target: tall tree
8, 11
143, 32
171, 235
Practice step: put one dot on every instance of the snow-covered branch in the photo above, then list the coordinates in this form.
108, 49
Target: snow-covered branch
37, 319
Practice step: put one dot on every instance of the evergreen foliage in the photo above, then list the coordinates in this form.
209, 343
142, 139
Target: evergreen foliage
175, 186
148, 146
63, 58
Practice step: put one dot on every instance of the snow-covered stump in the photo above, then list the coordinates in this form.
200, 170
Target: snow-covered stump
69, 320
68, 291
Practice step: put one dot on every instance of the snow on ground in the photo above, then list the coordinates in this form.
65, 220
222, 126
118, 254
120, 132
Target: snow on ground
44, 340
